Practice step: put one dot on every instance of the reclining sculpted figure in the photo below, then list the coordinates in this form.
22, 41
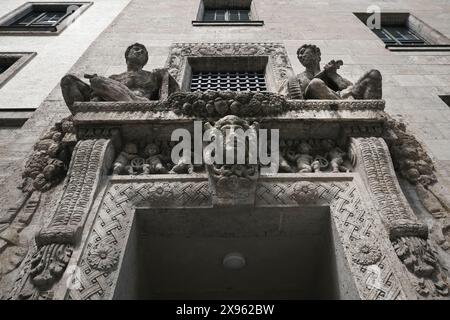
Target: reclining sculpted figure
135, 84
314, 83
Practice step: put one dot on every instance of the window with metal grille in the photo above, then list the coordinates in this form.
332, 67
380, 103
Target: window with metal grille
226, 15
398, 35
228, 81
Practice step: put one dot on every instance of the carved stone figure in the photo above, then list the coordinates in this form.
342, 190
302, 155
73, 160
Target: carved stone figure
336, 156
123, 161
153, 163
304, 160
314, 83
135, 84
184, 165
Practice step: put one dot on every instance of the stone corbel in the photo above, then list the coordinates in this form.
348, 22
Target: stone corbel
232, 184
372, 160
54, 243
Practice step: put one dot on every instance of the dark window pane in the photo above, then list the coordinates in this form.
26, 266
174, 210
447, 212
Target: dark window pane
220, 15
244, 15
27, 19
234, 15
49, 18
3, 68
398, 35
383, 35
209, 15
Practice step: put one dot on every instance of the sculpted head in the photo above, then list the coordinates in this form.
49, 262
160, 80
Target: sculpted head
136, 55
309, 55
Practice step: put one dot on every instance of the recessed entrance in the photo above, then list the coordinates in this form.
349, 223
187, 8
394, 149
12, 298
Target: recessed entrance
264, 253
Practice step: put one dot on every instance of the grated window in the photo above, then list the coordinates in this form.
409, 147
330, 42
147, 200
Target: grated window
228, 81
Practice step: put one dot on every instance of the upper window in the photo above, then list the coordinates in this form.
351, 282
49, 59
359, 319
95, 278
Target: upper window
226, 15
41, 17
398, 35
405, 32
230, 13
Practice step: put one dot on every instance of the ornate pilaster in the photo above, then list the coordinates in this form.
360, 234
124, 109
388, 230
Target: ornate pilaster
409, 237
54, 243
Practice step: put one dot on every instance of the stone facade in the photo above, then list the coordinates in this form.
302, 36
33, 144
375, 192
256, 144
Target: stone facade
386, 186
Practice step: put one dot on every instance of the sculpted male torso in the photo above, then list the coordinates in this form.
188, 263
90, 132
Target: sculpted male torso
314, 83
135, 84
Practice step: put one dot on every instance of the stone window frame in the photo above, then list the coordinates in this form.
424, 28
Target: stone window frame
28, 6
277, 68
250, 4
435, 40
20, 60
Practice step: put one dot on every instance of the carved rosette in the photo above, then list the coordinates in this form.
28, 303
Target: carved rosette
305, 192
366, 253
103, 257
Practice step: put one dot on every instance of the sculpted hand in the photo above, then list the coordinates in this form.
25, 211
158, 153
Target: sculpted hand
332, 66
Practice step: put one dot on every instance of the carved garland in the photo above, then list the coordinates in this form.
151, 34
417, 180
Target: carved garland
408, 236
55, 242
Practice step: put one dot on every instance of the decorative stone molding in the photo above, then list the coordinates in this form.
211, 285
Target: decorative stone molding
47, 165
13, 244
409, 237
103, 257
366, 253
355, 225
91, 160
113, 224
305, 192
278, 58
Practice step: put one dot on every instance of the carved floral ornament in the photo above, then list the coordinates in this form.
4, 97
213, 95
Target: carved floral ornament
103, 256
366, 252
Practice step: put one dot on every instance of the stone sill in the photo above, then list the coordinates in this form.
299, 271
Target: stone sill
255, 23
419, 48
92, 113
